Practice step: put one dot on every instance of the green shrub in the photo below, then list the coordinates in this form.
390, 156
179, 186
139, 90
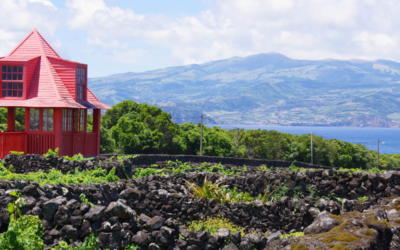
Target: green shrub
16, 153
141, 172
77, 157
51, 153
25, 233
90, 243
213, 224
83, 199
97, 175
14, 208
296, 234
293, 167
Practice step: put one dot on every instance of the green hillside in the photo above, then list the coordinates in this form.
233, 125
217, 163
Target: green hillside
268, 89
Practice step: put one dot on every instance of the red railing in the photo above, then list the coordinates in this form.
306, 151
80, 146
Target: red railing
91, 144
40, 143
11, 141
35, 143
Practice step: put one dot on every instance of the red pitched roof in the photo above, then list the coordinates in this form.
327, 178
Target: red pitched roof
47, 88
33, 45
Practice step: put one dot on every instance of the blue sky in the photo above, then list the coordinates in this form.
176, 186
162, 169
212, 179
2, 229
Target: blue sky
118, 36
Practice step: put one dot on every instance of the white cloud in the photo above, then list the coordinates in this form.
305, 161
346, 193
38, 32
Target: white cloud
309, 29
19, 17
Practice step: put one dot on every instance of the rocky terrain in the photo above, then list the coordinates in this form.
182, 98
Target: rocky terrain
154, 211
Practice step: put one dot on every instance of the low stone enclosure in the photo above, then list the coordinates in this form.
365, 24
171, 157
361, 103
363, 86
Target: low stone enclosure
155, 211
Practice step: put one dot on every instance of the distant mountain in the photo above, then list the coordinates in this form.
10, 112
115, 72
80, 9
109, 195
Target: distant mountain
268, 89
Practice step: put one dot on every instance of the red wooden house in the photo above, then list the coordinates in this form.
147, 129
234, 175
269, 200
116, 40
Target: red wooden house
55, 96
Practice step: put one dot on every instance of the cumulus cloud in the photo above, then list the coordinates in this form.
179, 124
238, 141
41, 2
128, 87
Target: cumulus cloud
19, 17
309, 29
306, 29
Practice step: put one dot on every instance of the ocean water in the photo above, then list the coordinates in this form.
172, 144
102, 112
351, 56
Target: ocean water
389, 137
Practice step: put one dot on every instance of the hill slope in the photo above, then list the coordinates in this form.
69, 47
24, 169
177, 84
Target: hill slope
268, 89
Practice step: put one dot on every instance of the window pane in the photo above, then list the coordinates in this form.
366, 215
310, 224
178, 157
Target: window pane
9, 76
4, 93
15, 85
20, 77
4, 85
50, 112
15, 77
9, 93
3, 76
19, 93
20, 85
10, 85
20, 69
15, 68
44, 112
37, 119
50, 127
44, 127
15, 94
9, 68
4, 68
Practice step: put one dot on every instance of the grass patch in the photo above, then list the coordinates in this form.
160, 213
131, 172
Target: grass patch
296, 234
297, 246
342, 237
213, 224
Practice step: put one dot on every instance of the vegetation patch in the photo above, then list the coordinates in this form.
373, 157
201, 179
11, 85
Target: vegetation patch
296, 234
298, 246
341, 237
56, 176
213, 224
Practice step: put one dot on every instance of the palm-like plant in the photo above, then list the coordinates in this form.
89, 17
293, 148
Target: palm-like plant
208, 190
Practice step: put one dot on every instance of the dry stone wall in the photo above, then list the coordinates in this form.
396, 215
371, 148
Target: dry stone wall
153, 211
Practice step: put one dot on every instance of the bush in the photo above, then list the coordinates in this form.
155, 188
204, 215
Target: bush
24, 233
56, 176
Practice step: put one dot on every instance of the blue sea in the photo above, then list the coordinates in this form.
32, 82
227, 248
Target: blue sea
389, 137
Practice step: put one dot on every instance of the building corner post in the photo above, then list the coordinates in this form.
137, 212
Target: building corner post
11, 119
96, 128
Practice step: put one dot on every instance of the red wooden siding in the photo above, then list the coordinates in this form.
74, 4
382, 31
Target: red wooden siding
37, 143
30, 68
11, 141
67, 73
68, 139
79, 143
40, 143
91, 144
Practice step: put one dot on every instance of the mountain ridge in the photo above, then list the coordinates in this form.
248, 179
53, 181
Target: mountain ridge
268, 88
